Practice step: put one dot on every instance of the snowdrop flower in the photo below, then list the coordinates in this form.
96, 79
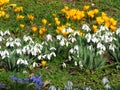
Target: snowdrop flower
105, 80
88, 37
39, 57
62, 42
27, 38
95, 40
69, 30
69, 58
49, 37
4, 54
88, 88
118, 31
44, 43
19, 51
59, 37
71, 50
53, 54
52, 88
85, 27
20, 61
103, 28
76, 47
17, 42
44, 56
80, 64
64, 65
49, 56
76, 33
107, 87
67, 43
24, 71
1, 38
7, 32
101, 46
75, 63
52, 48
89, 47
1, 33
112, 47
68, 86
100, 52
35, 64
9, 39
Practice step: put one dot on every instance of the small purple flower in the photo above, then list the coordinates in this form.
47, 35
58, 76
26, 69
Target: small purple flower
14, 78
26, 80
2, 85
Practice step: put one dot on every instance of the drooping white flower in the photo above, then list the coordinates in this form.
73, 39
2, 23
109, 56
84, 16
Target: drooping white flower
76, 47
49, 37
27, 38
105, 80
7, 32
53, 54
4, 54
88, 37
1, 33
85, 27
19, 51
118, 31
21, 61
64, 65
80, 64
107, 87
39, 57
75, 63
101, 46
112, 47
35, 64
71, 50
62, 42
95, 40
1, 38
59, 37
100, 52
52, 48
69, 30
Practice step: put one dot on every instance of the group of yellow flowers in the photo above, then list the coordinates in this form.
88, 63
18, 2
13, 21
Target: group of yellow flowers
85, 15
81, 16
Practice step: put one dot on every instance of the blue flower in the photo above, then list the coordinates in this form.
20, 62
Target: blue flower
2, 85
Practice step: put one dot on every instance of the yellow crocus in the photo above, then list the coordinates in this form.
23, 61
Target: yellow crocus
34, 28
22, 26
30, 17
86, 8
94, 28
99, 20
43, 63
44, 21
20, 17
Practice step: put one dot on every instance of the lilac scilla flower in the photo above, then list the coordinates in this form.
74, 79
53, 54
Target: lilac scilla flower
14, 78
2, 85
26, 80
37, 82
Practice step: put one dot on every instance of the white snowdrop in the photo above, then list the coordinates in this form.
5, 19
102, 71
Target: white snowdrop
7, 32
35, 64
76, 47
88, 37
1, 39
112, 47
101, 46
75, 63
19, 51
69, 30
52, 48
85, 27
49, 37
107, 87
118, 31
1, 33
63, 65
39, 57
80, 64
62, 42
105, 80
59, 37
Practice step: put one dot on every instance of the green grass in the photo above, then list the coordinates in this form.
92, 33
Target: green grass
53, 71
